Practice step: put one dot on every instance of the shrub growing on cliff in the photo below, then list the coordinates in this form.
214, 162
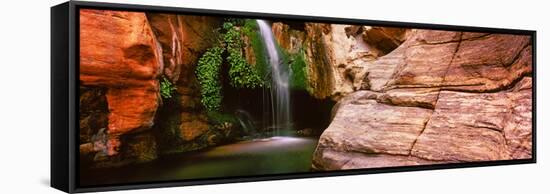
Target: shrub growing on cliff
166, 88
241, 74
298, 71
250, 30
208, 75
217, 118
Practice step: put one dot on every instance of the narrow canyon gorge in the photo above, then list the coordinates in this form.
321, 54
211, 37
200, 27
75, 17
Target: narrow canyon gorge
370, 96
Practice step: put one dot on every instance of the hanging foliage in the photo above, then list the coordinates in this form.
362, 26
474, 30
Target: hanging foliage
241, 74
208, 75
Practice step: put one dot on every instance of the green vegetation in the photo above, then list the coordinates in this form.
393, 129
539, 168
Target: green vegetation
229, 49
250, 29
241, 74
218, 118
208, 75
298, 69
296, 61
166, 88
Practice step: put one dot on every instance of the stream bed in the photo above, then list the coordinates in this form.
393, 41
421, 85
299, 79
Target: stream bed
274, 155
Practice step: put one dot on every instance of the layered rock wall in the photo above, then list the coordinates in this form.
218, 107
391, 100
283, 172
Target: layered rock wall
123, 55
183, 39
439, 97
337, 56
120, 54
405, 96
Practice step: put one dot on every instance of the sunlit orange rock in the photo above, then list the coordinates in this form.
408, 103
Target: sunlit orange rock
119, 52
183, 39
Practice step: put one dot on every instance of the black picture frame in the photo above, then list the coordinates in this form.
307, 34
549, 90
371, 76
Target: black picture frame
65, 90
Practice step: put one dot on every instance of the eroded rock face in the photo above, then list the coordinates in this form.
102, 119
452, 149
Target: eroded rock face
339, 55
183, 40
122, 57
439, 97
93, 112
119, 52
383, 39
376, 120
321, 73
288, 38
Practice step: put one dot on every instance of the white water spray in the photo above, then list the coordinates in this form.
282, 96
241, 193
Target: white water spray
279, 91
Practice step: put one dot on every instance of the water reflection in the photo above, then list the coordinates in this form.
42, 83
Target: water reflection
274, 155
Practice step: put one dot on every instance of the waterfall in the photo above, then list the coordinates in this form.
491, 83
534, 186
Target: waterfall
279, 90
247, 122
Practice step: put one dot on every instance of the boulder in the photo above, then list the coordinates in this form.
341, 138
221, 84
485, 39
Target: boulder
361, 122
438, 97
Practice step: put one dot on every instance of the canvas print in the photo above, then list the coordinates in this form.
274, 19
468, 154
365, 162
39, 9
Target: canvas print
176, 97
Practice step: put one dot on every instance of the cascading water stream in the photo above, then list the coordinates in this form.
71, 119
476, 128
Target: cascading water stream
279, 90
246, 121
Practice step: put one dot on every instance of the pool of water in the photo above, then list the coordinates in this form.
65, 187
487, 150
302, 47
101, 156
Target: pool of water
274, 155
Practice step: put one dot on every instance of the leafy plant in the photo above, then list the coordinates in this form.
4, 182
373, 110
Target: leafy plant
298, 71
166, 88
208, 75
250, 30
241, 74
217, 118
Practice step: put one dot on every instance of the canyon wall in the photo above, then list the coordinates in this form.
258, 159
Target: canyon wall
337, 55
120, 61
123, 55
424, 97
404, 96
183, 38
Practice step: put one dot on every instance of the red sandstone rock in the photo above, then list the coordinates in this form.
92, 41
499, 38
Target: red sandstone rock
119, 52
117, 49
131, 109
183, 40
474, 89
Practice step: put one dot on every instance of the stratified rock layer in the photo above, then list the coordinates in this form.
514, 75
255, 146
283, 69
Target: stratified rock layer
122, 57
119, 52
183, 40
337, 56
439, 97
